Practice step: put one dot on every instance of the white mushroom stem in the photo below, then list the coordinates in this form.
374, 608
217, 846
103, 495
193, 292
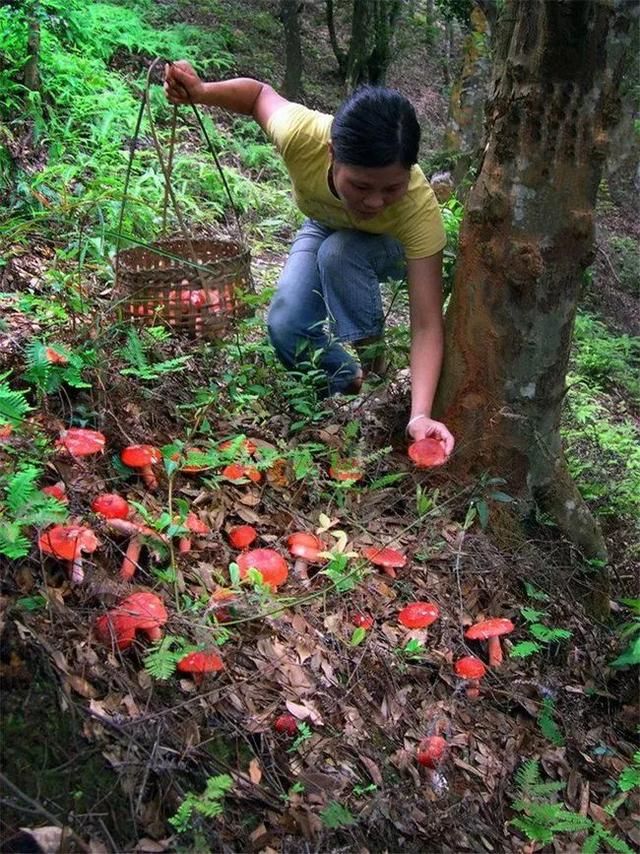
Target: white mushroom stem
76, 570
131, 558
494, 649
473, 689
301, 571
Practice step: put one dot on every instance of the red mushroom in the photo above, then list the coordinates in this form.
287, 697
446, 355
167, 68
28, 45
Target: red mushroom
347, 469
58, 491
111, 506
5, 431
55, 358
306, 548
142, 457
136, 534
427, 453
113, 628
471, 669
491, 630
431, 751
199, 663
271, 566
80, 442
196, 526
362, 621
418, 615
236, 471
147, 611
286, 725
68, 544
387, 559
247, 445
241, 536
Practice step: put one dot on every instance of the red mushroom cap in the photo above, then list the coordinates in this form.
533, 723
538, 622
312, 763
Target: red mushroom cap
269, 563
470, 667
115, 627
242, 536
346, 470
427, 453
489, 629
144, 609
80, 442
236, 471
139, 456
286, 724
431, 751
418, 615
67, 542
384, 557
111, 506
58, 491
202, 661
55, 358
246, 445
196, 525
305, 545
362, 621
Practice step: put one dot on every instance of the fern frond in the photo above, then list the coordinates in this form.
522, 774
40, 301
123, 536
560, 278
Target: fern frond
39, 369
21, 489
614, 842
527, 776
210, 809
13, 404
533, 830
13, 543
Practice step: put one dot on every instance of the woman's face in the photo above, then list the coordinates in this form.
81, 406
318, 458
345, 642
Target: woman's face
367, 191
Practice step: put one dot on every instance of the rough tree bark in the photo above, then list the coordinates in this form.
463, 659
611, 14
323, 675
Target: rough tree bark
526, 239
359, 44
385, 19
31, 72
290, 16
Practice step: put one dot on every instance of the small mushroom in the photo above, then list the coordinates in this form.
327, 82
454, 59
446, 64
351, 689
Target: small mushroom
142, 457
58, 491
142, 611
418, 615
80, 442
111, 506
286, 725
241, 536
67, 543
347, 469
431, 751
55, 358
427, 453
196, 526
271, 566
306, 548
236, 471
199, 663
387, 559
362, 621
114, 628
247, 445
472, 670
188, 467
491, 631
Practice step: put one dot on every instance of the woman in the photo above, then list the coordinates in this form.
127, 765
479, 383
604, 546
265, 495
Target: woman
370, 212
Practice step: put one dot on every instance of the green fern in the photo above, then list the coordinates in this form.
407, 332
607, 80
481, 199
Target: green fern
630, 777
163, 659
13, 543
547, 723
24, 505
13, 404
135, 353
48, 377
208, 804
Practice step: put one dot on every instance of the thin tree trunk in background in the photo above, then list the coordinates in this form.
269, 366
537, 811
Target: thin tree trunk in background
290, 16
385, 20
448, 41
526, 239
359, 49
341, 55
31, 72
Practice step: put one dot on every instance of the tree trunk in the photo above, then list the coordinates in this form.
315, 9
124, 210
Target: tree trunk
31, 73
464, 133
340, 54
290, 16
448, 43
526, 239
385, 19
359, 45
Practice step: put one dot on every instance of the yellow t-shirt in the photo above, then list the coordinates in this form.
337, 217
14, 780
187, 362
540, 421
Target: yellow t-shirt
301, 136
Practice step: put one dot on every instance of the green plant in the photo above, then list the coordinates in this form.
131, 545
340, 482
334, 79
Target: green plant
161, 661
22, 506
479, 503
304, 734
547, 722
208, 803
629, 633
137, 350
335, 815
542, 634
13, 404
542, 820
47, 375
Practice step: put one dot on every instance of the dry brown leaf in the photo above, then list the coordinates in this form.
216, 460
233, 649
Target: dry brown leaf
255, 772
372, 768
305, 711
81, 686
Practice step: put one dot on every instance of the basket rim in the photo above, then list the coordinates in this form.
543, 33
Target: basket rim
126, 257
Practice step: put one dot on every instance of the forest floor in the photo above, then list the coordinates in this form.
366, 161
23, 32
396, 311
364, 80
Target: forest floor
110, 744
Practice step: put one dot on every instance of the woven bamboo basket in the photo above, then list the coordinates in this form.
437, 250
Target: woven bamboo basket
196, 284
200, 293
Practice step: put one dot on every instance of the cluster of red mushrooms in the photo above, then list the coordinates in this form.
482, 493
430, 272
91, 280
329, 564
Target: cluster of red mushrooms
144, 611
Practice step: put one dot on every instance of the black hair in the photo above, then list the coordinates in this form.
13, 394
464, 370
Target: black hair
375, 127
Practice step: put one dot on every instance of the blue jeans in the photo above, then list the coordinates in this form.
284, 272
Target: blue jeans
329, 292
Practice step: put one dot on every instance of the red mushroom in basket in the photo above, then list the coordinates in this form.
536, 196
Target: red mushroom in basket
195, 526
387, 559
271, 566
67, 543
199, 663
427, 453
306, 548
80, 442
241, 536
418, 615
471, 670
142, 457
491, 631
